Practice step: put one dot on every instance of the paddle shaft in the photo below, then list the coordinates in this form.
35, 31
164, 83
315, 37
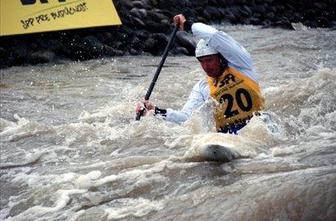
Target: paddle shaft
158, 70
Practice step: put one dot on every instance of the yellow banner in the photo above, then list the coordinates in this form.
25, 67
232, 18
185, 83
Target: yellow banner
28, 16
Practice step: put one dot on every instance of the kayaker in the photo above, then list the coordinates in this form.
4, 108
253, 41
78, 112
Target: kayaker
231, 81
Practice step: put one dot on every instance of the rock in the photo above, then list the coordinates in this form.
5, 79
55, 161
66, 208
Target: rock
165, 23
109, 51
270, 15
283, 23
2, 53
320, 5
213, 3
3, 58
138, 13
181, 50
139, 23
141, 4
136, 44
93, 45
322, 22
260, 8
255, 21
55, 45
41, 57
237, 15
127, 4
246, 11
230, 16
20, 50
155, 44
186, 41
211, 12
332, 25
142, 34
310, 23
156, 16
149, 45
132, 51
154, 27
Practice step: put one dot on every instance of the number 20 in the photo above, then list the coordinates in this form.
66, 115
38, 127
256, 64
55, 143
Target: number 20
229, 112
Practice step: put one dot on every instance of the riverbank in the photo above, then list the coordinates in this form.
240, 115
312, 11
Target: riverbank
147, 24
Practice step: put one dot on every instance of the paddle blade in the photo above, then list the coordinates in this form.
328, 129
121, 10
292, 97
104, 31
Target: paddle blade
139, 114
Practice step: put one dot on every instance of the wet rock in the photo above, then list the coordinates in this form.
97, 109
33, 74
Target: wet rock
156, 16
141, 4
270, 15
255, 21
41, 57
20, 50
332, 25
260, 8
139, 13
181, 50
165, 24
322, 22
212, 12
237, 15
156, 43
154, 27
283, 23
230, 16
186, 41
127, 3
55, 45
213, 3
310, 23
142, 34
2, 52
132, 51
3, 58
246, 11
136, 43
93, 45
139, 23
110, 51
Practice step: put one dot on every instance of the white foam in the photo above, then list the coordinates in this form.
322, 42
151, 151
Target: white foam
239, 144
5, 124
133, 207
35, 212
35, 179
21, 129
85, 181
299, 26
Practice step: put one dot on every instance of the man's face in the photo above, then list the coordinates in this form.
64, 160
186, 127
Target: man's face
211, 65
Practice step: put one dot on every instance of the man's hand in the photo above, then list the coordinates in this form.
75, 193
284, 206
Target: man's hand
179, 21
146, 107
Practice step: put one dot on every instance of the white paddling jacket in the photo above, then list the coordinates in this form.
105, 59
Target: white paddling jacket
231, 50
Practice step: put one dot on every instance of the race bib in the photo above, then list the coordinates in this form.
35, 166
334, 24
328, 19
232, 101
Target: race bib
238, 97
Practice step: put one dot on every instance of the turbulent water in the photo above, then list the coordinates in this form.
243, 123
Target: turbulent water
71, 150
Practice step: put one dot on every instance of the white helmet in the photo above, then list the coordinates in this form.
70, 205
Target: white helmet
203, 49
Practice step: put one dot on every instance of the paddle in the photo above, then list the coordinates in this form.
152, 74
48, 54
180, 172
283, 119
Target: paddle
158, 70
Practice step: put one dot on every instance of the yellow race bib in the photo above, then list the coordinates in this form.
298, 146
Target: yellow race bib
238, 96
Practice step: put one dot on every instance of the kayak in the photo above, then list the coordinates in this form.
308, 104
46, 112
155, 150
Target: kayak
217, 152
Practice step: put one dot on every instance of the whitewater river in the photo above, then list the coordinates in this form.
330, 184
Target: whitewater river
71, 150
